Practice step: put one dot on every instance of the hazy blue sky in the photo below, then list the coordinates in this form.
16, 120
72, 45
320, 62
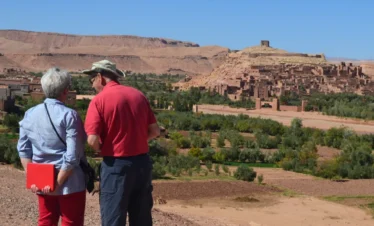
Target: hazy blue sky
337, 28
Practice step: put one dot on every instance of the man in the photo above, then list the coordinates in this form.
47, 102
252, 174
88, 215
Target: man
119, 123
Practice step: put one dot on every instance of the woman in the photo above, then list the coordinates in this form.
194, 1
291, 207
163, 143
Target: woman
39, 143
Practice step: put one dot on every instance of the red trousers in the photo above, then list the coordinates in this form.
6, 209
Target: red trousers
70, 207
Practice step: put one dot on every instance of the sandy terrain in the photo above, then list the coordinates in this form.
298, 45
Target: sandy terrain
211, 203
81, 97
310, 119
283, 211
315, 186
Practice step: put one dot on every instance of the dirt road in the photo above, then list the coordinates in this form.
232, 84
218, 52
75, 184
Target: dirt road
310, 119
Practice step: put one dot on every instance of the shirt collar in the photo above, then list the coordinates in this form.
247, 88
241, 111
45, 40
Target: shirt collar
110, 84
52, 101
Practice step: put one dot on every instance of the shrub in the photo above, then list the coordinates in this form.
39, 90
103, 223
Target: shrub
207, 154
176, 164
225, 168
243, 156
184, 143
216, 169
8, 152
156, 149
209, 165
219, 156
11, 156
233, 154
190, 172
158, 170
220, 142
11, 121
328, 169
245, 173
175, 136
200, 142
195, 152
249, 144
176, 172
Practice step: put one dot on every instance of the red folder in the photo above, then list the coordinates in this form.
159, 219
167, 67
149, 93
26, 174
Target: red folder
41, 175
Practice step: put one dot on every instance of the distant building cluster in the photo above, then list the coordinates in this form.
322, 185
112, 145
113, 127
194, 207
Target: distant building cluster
15, 83
265, 82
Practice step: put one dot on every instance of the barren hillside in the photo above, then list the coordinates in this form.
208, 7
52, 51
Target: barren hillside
37, 51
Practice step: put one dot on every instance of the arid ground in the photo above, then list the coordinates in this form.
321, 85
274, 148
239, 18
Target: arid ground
286, 198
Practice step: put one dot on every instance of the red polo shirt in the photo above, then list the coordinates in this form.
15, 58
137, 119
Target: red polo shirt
120, 115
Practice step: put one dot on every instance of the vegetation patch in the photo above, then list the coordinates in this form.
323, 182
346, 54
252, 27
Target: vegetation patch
246, 199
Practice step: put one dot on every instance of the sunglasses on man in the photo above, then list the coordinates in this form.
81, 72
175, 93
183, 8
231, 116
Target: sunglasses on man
93, 78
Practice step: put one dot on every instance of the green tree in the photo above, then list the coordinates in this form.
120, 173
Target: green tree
245, 173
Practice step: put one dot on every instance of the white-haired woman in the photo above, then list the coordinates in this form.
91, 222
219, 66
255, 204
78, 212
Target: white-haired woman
39, 143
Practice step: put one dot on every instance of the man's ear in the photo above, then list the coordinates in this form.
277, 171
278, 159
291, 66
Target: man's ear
101, 79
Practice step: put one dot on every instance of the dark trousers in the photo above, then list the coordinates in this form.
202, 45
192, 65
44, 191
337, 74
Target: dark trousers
126, 187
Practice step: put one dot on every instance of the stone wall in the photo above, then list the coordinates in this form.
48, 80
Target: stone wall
274, 104
290, 108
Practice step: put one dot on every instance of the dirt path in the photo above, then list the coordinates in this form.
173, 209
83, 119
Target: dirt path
300, 211
310, 119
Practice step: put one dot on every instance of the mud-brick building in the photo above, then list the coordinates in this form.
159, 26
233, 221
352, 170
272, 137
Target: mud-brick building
7, 102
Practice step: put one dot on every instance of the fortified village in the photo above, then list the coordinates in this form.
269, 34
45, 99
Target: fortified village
263, 74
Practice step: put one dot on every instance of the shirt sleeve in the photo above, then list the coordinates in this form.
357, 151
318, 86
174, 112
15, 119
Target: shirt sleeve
24, 146
74, 141
93, 121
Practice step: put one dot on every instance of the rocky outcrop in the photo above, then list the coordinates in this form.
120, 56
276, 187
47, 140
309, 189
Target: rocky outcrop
36, 51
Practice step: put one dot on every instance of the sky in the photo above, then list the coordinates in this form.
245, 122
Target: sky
337, 28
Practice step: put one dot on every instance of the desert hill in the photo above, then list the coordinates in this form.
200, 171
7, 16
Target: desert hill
36, 51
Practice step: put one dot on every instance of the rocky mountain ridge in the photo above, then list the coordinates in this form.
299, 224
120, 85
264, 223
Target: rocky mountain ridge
37, 51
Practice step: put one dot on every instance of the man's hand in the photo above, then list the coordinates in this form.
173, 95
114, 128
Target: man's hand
153, 131
94, 142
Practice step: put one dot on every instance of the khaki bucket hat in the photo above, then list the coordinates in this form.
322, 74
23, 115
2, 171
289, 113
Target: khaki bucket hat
104, 65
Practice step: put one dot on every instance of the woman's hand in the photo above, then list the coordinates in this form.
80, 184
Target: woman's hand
45, 190
34, 189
